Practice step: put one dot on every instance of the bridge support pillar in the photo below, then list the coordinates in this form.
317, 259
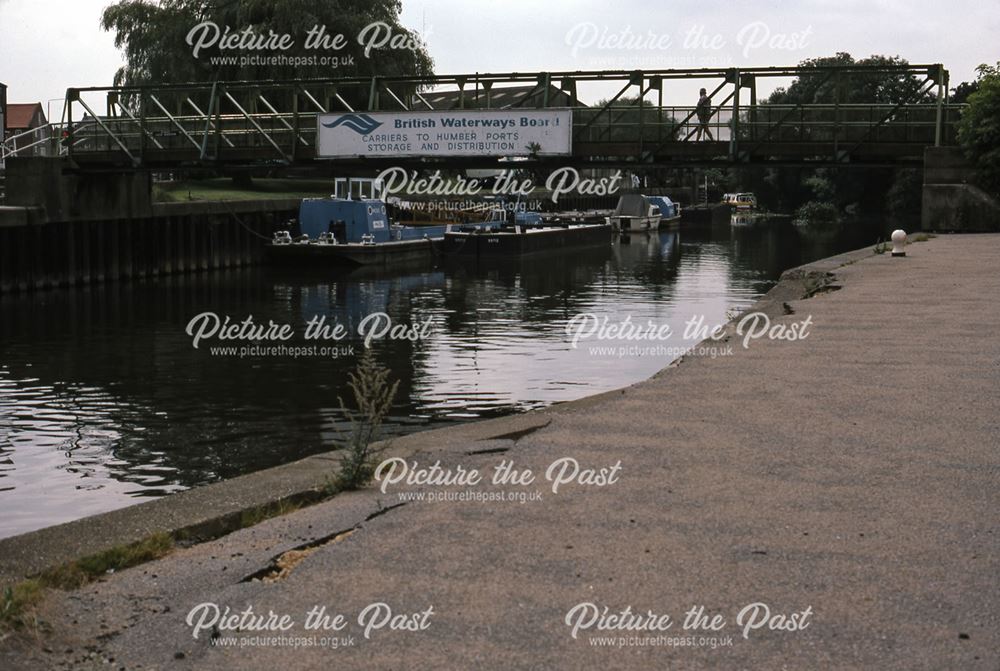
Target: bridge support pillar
950, 202
51, 183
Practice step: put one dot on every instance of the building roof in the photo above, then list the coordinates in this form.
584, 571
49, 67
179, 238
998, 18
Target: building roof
19, 115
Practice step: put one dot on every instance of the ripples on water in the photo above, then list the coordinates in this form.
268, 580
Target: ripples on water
103, 401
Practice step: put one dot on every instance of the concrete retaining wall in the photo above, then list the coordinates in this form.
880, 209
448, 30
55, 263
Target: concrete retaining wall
951, 202
44, 255
63, 228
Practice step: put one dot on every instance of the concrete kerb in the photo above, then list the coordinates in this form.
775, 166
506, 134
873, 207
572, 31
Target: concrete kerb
214, 510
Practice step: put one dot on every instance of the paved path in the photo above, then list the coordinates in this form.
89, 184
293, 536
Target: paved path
850, 479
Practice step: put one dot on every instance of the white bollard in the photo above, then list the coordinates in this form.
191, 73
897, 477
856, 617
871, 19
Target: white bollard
898, 240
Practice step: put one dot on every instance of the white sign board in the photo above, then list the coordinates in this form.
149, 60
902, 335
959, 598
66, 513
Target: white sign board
451, 133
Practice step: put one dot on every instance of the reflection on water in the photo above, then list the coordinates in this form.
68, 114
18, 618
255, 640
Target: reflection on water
103, 400
54, 443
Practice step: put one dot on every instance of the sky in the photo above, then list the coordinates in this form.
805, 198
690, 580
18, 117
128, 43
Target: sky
48, 46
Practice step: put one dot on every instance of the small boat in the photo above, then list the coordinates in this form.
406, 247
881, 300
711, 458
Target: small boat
741, 201
670, 212
636, 212
515, 239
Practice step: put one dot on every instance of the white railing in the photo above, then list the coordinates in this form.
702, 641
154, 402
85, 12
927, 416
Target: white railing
49, 136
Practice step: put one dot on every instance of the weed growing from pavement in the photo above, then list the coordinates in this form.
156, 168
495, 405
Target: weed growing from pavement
373, 395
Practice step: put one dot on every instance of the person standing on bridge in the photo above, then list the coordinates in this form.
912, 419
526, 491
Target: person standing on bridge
704, 112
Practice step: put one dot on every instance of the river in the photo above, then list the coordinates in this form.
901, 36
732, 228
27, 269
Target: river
104, 401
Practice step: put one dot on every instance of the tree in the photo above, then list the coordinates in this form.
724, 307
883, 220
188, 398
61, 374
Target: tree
864, 189
621, 121
153, 37
883, 87
902, 201
979, 127
960, 94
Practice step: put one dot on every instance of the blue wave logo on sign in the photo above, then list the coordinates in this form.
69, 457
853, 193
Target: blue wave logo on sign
362, 124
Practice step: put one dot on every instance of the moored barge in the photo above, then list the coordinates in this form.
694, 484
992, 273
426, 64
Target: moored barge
516, 240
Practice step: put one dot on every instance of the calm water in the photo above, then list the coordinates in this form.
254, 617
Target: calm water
104, 401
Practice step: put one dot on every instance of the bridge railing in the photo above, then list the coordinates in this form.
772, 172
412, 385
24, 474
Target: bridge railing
276, 121
627, 124
185, 136
283, 136
857, 123
39, 141
838, 127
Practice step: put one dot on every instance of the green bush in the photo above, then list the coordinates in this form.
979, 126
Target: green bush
979, 128
817, 212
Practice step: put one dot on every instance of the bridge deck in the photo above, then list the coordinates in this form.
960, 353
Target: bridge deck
263, 123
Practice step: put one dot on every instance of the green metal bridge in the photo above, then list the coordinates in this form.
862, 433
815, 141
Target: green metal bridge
255, 123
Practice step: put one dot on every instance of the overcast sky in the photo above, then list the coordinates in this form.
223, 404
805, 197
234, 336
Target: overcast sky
47, 46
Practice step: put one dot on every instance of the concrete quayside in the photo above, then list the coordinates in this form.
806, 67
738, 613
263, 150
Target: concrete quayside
833, 499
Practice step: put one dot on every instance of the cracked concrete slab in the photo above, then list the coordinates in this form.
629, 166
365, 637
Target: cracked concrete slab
854, 473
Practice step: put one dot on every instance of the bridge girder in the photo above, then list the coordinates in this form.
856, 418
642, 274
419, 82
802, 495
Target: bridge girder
273, 122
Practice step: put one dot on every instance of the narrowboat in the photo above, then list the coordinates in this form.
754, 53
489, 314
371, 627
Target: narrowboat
514, 239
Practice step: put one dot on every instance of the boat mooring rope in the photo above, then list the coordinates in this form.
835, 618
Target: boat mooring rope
241, 222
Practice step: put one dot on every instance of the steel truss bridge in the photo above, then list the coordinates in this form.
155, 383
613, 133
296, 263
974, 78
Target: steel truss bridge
260, 123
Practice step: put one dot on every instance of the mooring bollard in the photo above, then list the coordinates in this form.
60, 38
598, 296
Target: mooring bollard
898, 240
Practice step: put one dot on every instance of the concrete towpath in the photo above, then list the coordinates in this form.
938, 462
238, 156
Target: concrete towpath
848, 480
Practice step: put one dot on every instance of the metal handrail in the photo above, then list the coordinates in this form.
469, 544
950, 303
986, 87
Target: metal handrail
7, 148
151, 122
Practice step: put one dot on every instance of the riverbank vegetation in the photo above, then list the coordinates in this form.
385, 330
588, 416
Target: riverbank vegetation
224, 188
979, 128
18, 601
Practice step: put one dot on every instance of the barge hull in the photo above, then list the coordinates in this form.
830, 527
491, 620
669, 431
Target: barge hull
526, 242
381, 254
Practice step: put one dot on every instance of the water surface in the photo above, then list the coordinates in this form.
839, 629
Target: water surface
104, 402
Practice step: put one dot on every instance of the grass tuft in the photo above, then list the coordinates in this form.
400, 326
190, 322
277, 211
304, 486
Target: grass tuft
80, 572
255, 516
18, 601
